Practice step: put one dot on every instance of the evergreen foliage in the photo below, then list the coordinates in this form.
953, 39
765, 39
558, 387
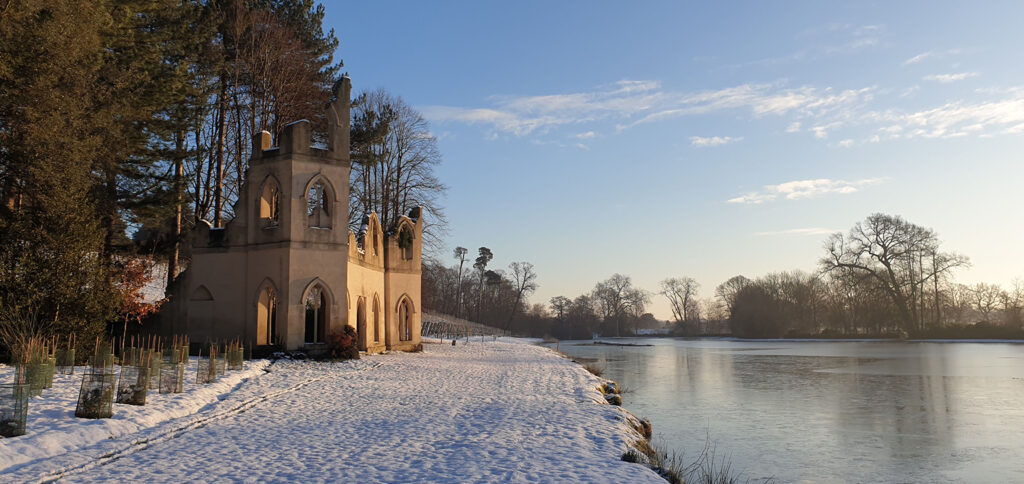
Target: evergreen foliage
52, 275
115, 115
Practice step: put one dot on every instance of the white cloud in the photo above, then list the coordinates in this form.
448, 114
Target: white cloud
699, 141
821, 132
582, 146
627, 86
761, 100
948, 78
931, 54
824, 112
846, 143
919, 57
956, 119
800, 189
910, 91
637, 102
798, 232
753, 198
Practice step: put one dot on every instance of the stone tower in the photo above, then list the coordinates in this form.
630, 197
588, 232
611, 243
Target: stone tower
279, 272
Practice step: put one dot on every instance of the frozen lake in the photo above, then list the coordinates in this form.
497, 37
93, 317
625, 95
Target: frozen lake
831, 411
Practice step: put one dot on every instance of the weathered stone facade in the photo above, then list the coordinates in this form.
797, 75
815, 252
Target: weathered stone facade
286, 270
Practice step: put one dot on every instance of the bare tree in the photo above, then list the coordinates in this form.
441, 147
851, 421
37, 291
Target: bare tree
1013, 304
394, 156
893, 252
616, 297
524, 281
728, 290
681, 293
986, 299
560, 305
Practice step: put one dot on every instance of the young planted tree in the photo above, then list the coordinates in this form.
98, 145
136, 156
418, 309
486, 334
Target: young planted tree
136, 273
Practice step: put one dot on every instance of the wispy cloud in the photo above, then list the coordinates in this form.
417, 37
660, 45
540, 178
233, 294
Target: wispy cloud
701, 142
956, 119
760, 100
631, 103
947, 78
919, 57
821, 132
931, 54
826, 41
523, 115
822, 112
800, 189
798, 232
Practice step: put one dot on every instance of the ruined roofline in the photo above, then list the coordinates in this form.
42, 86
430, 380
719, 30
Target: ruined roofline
361, 242
297, 137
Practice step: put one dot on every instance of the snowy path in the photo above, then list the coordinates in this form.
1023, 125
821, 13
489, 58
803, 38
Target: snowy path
491, 412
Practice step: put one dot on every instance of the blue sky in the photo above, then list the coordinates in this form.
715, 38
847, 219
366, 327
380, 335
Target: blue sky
665, 139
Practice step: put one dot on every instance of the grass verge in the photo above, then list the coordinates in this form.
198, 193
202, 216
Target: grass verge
674, 467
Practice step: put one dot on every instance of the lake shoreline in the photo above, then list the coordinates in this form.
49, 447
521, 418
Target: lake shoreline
876, 410
813, 339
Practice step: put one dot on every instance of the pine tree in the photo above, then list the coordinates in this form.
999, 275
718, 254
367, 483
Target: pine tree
50, 270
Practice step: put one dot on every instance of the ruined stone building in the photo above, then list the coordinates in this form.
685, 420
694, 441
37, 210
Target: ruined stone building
286, 270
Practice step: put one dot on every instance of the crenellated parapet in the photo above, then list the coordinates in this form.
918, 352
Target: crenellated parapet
297, 138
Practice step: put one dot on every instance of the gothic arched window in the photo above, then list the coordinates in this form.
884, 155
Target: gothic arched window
270, 204
266, 317
317, 306
318, 203
405, 241
405, 321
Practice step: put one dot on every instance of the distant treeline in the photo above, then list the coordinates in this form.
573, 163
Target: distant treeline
886, 277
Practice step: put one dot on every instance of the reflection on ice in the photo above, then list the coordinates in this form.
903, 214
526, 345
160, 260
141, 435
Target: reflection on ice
830, 411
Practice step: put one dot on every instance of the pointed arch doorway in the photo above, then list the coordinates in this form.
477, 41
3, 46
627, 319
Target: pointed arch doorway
361, 323
317, 307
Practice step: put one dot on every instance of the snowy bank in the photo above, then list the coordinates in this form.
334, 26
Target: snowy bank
52, 429
504, 411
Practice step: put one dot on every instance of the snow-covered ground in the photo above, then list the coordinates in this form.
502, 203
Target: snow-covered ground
53, 430
503, 411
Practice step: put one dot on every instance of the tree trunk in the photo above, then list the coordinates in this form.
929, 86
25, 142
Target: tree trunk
218, 189
179, 175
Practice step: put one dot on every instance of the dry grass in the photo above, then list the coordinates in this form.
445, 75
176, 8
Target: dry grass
705, 468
